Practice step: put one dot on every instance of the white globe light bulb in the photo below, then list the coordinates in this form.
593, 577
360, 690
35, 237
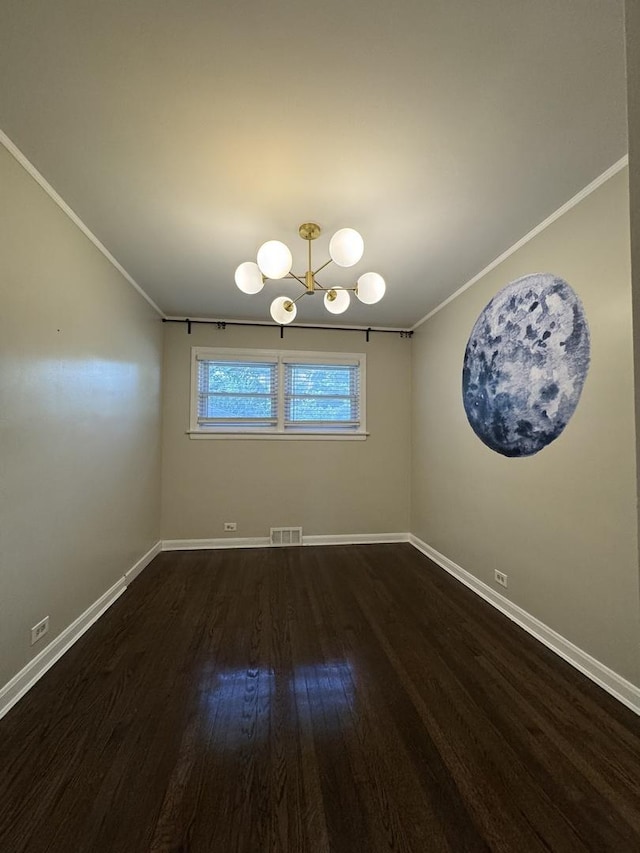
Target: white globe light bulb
283, 310
336, 301
371, 288
249, 278
346, 247
274, 259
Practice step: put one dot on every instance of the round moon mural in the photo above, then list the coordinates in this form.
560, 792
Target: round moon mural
525, 365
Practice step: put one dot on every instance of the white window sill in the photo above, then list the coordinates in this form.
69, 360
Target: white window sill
279, 436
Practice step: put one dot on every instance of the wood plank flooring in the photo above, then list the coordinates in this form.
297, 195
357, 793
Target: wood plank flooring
349, 699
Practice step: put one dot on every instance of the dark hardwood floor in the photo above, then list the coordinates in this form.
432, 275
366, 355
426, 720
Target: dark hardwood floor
352, 699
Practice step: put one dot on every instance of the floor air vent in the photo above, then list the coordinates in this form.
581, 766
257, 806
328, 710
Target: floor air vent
286, 536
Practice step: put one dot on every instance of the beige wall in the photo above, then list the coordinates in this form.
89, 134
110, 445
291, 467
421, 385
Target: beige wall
327, 487
632, 33
562, 524
80, 358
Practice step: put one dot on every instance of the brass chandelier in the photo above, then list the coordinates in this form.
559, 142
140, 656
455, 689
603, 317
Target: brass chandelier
274, 261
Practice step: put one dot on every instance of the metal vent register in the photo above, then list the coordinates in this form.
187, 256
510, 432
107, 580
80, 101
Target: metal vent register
286, 536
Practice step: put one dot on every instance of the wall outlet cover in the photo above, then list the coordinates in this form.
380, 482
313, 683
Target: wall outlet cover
38, 631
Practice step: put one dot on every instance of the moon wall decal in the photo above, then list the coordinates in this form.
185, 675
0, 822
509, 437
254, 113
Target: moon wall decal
525, 365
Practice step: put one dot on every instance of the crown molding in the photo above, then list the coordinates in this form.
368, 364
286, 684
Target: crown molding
601, 179
28, 166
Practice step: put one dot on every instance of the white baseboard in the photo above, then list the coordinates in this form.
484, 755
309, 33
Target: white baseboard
265, 542
356, 539
215, 544
615, 684
142, 563
24, 680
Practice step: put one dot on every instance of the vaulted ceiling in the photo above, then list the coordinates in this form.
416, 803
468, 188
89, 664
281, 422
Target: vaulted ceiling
185, 133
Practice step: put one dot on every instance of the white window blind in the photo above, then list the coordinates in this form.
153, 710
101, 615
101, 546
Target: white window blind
237, 393
321, 396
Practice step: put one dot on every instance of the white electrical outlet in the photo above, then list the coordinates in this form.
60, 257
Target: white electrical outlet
38, 631
230, 526
500, 577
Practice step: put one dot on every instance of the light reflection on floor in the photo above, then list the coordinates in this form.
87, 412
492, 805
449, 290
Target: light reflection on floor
241, 701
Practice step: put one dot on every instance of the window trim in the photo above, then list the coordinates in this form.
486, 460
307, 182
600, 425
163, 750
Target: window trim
278, 432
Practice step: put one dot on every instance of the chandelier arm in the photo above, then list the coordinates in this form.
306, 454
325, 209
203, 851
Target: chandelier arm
330, 261
298, 298
327, 289
297, 278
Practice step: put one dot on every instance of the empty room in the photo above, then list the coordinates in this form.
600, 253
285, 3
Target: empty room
319, 426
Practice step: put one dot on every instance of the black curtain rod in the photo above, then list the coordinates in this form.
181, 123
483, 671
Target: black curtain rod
222, 324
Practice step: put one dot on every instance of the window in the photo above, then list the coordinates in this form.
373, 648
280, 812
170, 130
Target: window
269, 393
234, 394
